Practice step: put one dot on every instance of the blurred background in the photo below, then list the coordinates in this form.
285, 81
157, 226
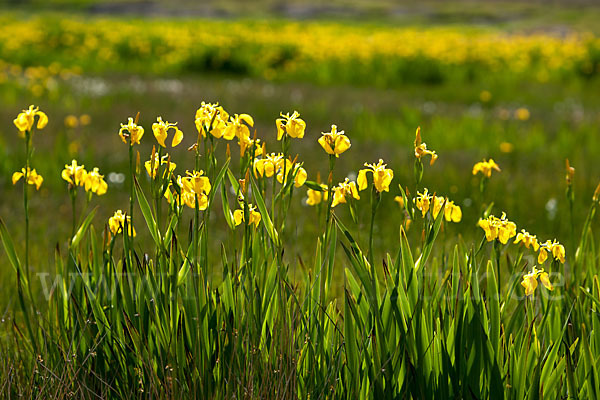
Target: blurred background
514, 81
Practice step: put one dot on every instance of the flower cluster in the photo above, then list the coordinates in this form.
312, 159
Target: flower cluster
530, 281
31, 177
434, 204
92, 181
194, 185
498, 228
117, 222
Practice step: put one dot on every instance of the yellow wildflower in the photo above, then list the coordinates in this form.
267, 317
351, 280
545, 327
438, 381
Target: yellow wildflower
238, 216
421, 148
300, 173
423, 201
74, 174
245, 142
486, 167
530, 281
343, 190
290, 125
522, 114
334, 142
498, 228
238, 126
268, 166
25, 120
527, 239
382, 176
117, 222
134, 132
31, 177
211, 118
316, 196
555, 248
153, 169
196, 182
161, 128
95, 182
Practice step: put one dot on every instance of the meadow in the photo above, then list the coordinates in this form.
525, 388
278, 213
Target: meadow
263, 257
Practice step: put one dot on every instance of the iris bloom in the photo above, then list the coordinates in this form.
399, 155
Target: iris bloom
498, 228
31, 177
382, 176
238, 216
300, 173
238, 126
530, 281
556, 249
153, 169
334, 142
95, 183
211, 118
342, 191
117, 222
316, 196
186, 194
196, 182
452, 212
134, 132
423, 201
268, 166
290, 125
161, 129
421, 148
74, 174
245, 142
25, 120
486, 167
528, 240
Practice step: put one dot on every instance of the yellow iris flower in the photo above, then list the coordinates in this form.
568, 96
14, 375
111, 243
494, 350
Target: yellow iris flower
196, 182
486, 167
95, 183
74, 174
291, 168
423, 201
31, 177
238, 126
421, 148
290, 125
316, 196
530, 281
334, 142
134, 132
161, 128
498, 228
187, 187
25, 120
452, 212
164, 160
527, 239
555, 248
117, 222
342, 191
382, 176
211, 118
245, 142
238, 216
268, 166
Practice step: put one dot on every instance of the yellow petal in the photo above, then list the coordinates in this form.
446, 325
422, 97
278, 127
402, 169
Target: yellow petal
362, 179
546, 281
177, 138
16, 176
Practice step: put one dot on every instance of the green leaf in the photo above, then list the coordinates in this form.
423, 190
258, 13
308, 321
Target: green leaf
266, 219
147, 212
83, 228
